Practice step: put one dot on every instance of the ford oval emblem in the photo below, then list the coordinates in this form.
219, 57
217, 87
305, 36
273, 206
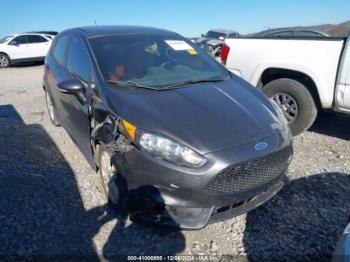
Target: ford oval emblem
260, 146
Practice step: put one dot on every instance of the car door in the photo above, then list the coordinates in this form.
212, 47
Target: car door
342, 91
56, 72
345, 74
76, 111
347, 89
38, 45
18, 47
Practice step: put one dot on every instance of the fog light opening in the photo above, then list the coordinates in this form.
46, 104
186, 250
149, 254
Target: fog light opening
222, 209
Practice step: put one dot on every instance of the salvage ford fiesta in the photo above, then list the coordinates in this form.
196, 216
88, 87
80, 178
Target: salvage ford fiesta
176, 138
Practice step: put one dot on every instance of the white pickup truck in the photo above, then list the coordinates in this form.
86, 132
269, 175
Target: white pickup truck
303, 75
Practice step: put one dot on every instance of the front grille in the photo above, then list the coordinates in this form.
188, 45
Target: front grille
251, 173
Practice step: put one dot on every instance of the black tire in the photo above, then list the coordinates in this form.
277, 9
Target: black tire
301, 116
51, 110
115, 190
5, 61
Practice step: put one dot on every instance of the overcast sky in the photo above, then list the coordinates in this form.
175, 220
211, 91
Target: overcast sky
187, 17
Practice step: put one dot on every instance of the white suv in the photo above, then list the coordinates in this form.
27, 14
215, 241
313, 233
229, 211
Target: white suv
23, 48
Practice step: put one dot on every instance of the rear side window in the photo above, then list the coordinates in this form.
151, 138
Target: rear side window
78, 63
213, 34
32, 39
308, 34
233, 35
60, 49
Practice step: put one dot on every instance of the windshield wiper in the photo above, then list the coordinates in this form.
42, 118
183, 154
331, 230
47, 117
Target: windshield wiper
130, 84
190, 82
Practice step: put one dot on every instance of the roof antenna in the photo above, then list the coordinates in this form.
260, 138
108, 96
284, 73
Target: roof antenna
95, 22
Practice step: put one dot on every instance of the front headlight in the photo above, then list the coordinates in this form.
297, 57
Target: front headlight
173, 152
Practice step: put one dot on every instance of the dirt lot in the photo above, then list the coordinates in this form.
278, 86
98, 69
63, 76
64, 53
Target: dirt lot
50, 204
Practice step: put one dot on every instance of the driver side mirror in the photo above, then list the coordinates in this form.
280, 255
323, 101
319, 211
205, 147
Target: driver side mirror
74, 87
71, 86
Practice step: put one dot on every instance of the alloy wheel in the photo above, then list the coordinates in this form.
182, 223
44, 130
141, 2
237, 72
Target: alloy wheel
288, 105
4, 61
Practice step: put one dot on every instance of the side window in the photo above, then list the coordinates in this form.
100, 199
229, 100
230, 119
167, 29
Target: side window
78, 63
308, 34
60, 48
19, 40
233, 35
32, 39
282, 34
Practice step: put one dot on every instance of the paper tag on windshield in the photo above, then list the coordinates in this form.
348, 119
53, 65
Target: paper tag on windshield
192, 52
178, 45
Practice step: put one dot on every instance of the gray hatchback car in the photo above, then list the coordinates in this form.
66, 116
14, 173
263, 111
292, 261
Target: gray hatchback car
176, 138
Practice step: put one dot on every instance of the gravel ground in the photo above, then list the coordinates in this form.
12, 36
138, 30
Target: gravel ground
50, 203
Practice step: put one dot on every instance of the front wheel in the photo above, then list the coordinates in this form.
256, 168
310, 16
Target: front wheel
4, 61
51, 109
295, 101
113, 185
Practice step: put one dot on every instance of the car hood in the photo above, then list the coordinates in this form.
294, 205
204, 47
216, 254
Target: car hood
206, 117
209, 41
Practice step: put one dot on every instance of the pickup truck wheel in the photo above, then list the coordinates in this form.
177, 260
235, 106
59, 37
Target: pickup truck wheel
295, 101
4, 60
113, 185
51, 109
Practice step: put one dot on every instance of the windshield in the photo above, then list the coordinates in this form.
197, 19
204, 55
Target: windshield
157, 61
213, 34
5, 39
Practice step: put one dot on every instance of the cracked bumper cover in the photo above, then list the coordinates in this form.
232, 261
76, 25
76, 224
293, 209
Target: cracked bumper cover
166, 194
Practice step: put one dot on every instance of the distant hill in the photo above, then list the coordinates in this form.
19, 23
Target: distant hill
341, 29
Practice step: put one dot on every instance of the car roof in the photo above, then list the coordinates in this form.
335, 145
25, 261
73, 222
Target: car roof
277, 30
45, 32
18, 34
95, 31
224, 31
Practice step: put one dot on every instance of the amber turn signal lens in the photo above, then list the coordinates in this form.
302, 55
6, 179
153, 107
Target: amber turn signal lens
130, 128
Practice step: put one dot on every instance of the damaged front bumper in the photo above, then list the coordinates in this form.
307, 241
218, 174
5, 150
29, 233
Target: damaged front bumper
164, 194
196, 217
